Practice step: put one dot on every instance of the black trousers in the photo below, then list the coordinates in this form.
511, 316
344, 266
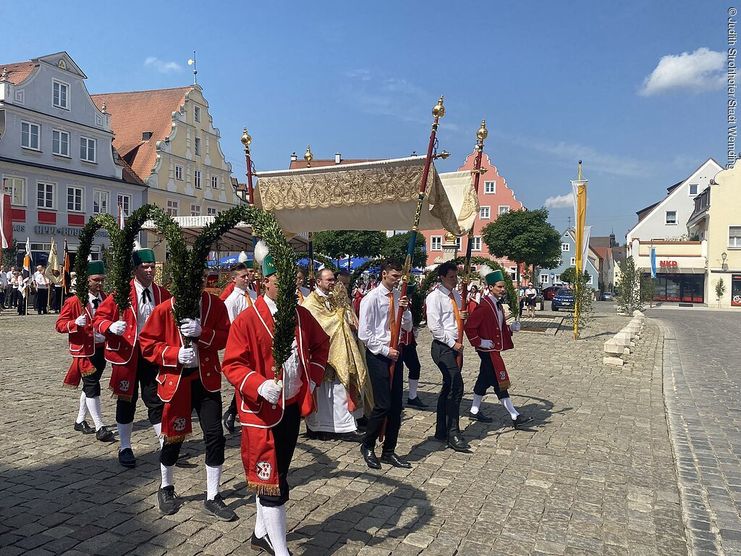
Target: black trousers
91, 383
208, 408
411, 360
487, 377
146, 374
56, 299
386, 401
285, 434
42, 300
451, 394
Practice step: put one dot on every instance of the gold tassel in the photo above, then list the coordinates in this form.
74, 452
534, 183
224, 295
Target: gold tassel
262, 489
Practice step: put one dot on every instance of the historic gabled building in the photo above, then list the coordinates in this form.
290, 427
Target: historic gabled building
552, 276
168, 138
57, 162
495, 198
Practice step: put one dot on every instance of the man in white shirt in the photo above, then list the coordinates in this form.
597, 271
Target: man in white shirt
378, 311
445, 321
42, 290
3, 287
241, 298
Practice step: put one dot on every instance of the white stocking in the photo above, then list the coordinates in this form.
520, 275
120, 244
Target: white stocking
93, 406
124, 435
507, 403
82, 410
275, 523
213, 478
260, 530
476, 403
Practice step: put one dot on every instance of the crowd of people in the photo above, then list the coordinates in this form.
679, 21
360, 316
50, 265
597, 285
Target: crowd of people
344, 375
40, 291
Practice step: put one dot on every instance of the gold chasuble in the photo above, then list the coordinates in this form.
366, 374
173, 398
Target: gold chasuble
346, 358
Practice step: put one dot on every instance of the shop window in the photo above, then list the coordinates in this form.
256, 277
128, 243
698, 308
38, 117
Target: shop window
736, 290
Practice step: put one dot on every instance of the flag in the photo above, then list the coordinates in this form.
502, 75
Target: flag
66, 280
27, 261
52, 264
653, 262
121, 219
6, 221
579, 187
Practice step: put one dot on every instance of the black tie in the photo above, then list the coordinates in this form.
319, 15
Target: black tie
96, 302
146, 296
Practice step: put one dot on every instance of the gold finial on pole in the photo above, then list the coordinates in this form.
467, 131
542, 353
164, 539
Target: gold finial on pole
482, 133
438, 111
579, 175
308, 156
246, 140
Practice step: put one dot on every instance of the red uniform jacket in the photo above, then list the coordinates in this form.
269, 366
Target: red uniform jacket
227, 291
119, 350
81, 339
160, 341
484, 324
248, 361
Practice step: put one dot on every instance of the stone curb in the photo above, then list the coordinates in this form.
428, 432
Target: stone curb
622, 343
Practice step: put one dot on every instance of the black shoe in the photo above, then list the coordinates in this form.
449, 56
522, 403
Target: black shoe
416, 402
317, 435
262, 544
370, 457
458, 443
104, 435
229, 418
168, 500
216, 507
480, 416
84, 428
521, 421
392, 459
126, 458
350, 436
439, 438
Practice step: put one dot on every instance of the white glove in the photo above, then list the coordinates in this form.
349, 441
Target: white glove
118, 327
312, 386
99, 338
270, 390
191, 328
186, 356
515, 326
81, 320
486, 344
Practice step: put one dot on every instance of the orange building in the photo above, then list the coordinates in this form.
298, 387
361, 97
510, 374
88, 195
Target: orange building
495, 198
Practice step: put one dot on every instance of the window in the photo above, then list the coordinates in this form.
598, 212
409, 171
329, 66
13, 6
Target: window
214, 182
197, 178
195, 210
100, 201
476, 245
16, 188
179, 173
573, 261
60, 142
60, 94
30, 134
198, 146
124, 201
211, 211
458, 243
734, 236
87, 149
503, 209
693, 189
671, 216
197, 113
490, 187
544, 278
436, 243
45, 195
74, 198
172, 207
485, 213
565, 247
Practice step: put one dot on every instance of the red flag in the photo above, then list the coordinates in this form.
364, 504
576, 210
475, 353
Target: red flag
65, 270
6, 222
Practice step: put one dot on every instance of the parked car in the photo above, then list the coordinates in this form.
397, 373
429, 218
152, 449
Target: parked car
549, 292
607, 296
564, 299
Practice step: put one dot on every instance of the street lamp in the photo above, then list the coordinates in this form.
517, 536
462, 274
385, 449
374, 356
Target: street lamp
723, 257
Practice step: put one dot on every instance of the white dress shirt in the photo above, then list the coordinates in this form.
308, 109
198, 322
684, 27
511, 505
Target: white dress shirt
3, 279
237, 302
42, 282
441, 317
374, 329
99, 338
292, 368
143, 309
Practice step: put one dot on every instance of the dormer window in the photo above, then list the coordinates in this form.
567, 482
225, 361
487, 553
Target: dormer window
60, 94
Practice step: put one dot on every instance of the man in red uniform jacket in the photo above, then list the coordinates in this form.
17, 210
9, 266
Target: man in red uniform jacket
189, 378
270, 410
86, 349
489, 334
130, 371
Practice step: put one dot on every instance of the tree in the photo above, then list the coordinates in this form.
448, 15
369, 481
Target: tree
569, 276
629, 296
720, 290
395, 247
583, 299
648, 289
524, 236
355, 243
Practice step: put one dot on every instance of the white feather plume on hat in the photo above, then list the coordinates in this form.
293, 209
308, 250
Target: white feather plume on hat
137, 245
484, 271
242, 257
261, 251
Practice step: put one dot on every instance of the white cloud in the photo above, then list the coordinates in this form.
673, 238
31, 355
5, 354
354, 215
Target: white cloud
701, 70
560, 201
162, 66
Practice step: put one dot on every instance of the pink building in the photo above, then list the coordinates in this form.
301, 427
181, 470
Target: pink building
495, 198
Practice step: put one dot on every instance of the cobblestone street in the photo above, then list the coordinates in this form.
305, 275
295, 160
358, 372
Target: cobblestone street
595, 475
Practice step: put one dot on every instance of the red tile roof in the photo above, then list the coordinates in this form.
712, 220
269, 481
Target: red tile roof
296, 164
18, 71
135, 112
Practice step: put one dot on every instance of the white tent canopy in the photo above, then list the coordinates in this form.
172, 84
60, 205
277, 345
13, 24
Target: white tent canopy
378, 195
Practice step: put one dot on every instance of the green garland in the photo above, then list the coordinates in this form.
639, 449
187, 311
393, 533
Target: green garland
188, 271
514, 307
87, 235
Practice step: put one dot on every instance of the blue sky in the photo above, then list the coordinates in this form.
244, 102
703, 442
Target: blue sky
556, 82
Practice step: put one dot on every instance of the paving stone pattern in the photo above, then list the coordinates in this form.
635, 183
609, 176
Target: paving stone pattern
702, 374
595, 475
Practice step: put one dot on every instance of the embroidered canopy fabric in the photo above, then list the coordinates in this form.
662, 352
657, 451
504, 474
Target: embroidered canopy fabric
378, 195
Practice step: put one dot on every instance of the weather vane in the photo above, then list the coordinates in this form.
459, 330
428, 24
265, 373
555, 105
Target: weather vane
192, 62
